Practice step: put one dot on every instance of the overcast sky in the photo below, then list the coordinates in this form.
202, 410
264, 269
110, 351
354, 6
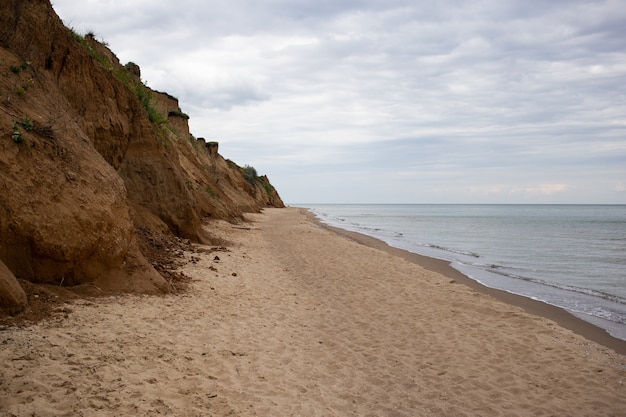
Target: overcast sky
392, 101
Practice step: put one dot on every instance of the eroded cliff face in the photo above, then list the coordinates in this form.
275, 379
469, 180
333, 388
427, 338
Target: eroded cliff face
89, 156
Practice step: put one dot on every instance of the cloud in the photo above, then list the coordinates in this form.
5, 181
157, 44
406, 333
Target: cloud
418, 94
543, 189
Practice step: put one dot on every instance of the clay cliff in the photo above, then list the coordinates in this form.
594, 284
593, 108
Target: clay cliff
94, 165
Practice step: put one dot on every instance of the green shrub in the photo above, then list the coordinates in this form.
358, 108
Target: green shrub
27, 124
16, 69
17, 135
249, 173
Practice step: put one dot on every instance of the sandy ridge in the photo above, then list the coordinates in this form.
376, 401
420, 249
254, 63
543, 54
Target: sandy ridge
295, 320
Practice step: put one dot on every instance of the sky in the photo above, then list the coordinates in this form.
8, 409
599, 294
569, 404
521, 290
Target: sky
392, 101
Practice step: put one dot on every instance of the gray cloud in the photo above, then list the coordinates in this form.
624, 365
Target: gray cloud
433, 102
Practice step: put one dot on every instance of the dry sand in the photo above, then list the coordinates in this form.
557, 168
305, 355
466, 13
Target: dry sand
295, 320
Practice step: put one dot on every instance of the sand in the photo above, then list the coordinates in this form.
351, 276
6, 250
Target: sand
296, 320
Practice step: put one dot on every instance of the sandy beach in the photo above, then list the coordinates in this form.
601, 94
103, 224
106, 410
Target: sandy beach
293, 319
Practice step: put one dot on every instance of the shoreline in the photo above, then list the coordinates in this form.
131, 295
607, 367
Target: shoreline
559, 315
292, 318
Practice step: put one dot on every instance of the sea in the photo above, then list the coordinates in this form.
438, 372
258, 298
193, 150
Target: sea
570, 256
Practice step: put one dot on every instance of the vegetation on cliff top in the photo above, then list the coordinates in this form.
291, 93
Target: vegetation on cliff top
124, 74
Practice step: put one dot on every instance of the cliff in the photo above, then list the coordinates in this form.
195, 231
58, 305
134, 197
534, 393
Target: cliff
95, 167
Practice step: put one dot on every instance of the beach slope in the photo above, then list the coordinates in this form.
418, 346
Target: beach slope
292, 319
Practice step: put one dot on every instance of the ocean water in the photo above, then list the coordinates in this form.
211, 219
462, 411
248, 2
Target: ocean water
571, 256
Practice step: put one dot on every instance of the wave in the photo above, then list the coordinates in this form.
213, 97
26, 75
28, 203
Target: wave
453, 250
501, 270
354, 225
572, 303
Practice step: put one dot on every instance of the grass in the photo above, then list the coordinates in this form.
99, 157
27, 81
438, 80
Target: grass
143, 93
92, 52
210, 192
268, 187
16, 69
195, 186
21, 91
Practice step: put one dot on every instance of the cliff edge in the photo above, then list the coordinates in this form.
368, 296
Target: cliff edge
95, 167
